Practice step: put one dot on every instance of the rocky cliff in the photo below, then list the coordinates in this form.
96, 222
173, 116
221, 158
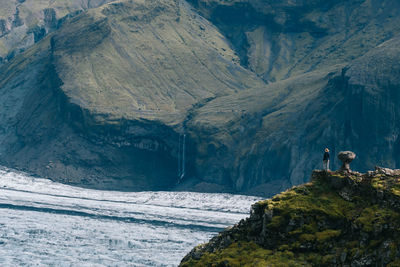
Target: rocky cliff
281, 130
106, 97
337, 219
103, 100
25, 22
280, 39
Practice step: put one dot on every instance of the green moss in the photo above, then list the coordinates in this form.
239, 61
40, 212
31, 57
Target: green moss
393, 250
327, 235
311, 227
247, 254
388, 184
328, 259
307, 238
276, 222
374, 243
338, 176
319, 200
395, 263
395, 187
354, 252
284, 247
373, 218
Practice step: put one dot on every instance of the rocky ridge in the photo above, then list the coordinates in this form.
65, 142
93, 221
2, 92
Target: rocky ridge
280, 39
112, 116
25, 22
338, 219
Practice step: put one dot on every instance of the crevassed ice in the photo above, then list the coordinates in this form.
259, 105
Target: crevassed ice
43, 223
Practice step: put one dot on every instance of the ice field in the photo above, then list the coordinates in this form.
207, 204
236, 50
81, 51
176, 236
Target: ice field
43, 223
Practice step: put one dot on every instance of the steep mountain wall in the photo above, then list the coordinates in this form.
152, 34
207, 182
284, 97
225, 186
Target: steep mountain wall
105, 98
281, 131
279, 39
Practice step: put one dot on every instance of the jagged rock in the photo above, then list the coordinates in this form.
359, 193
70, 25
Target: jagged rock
386, 171
315, 225
19, 19
38, 33
3, 27
272, 37
346, 157
50, 19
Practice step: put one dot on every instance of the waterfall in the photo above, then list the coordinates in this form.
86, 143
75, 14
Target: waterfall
181, 157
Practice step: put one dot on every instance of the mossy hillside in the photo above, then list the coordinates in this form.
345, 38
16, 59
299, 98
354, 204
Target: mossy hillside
146, 60
336, 219
241, 253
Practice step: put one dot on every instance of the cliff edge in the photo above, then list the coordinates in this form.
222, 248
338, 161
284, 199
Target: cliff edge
338, 219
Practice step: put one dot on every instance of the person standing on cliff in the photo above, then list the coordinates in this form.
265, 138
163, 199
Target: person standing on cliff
325, 161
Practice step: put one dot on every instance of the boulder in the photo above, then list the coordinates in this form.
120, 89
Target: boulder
386, 171
346, 157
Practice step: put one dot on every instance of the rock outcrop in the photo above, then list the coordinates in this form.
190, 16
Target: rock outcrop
280, 39
346, 157
23, 23
335, 220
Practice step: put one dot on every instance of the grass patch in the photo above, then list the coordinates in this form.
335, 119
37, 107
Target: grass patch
247, 254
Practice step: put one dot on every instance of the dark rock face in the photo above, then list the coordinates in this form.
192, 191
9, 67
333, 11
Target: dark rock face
50, 19
24, 23
336, 219
95, 155
128, 137
286, 140
3, 27
38, 33
346, 157
17, 22
279, 39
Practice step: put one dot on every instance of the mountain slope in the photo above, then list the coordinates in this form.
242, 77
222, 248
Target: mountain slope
269, 139
103, 100
107, 98
152, 60
25, 22
335, 220
280, 39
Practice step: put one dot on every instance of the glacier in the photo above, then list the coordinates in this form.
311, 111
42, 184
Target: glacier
44, 223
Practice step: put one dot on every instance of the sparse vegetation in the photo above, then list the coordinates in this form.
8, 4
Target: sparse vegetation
314, 225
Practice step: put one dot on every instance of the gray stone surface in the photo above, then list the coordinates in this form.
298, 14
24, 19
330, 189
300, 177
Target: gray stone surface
346, 157
280, 39
32, 20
